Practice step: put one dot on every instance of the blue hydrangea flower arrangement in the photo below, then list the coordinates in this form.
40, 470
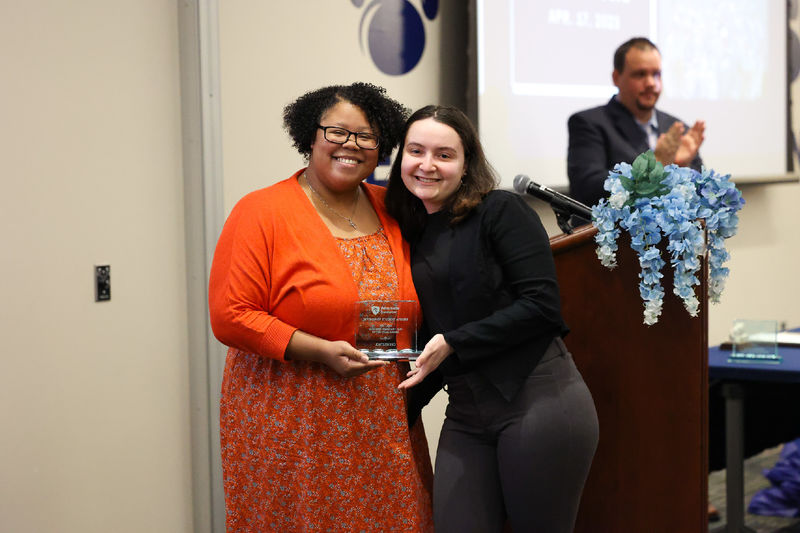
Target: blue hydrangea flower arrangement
652, 202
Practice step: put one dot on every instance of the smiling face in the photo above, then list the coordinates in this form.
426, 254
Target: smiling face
639, 83
340, 168
433, 162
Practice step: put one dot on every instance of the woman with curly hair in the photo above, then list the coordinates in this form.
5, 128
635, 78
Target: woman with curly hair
314, 435
520, 427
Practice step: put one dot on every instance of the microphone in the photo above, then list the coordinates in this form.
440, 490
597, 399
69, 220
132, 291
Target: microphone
558, 201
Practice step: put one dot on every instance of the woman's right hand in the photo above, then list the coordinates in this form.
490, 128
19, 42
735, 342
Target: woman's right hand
338, 355
435, 351
347, 361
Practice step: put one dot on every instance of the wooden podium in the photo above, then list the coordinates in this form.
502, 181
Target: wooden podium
650, 386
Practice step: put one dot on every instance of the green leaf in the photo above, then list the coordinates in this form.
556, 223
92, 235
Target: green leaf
651, 160
626, 183
640, 165
646, 189
656, 175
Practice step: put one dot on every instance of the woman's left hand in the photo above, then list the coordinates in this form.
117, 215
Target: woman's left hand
431, 357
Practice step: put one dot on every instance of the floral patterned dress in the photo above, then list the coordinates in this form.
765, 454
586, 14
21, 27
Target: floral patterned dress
304, 449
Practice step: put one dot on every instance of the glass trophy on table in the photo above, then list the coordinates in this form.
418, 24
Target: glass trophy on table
754, 341
387, 329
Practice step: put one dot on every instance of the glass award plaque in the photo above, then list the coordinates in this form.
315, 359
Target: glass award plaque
387, 329
754, 341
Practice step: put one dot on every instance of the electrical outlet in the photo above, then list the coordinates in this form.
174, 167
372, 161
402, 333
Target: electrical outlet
102, 283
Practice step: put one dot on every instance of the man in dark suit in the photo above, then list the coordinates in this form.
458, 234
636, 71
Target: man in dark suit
627, 125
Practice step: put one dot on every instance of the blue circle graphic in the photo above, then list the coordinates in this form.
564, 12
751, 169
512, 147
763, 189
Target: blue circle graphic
430, 7
396, 37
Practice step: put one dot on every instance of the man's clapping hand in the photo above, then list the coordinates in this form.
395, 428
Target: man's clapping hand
678, 147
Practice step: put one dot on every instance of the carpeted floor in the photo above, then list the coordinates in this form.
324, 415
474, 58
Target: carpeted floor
753, 482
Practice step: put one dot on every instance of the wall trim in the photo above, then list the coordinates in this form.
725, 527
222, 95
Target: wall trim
204, 215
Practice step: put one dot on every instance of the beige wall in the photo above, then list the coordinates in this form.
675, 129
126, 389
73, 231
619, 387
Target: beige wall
765, 255
93, 396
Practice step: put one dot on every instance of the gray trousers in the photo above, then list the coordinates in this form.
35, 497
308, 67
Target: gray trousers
524, 461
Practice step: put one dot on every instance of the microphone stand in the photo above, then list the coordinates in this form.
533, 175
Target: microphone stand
562, 218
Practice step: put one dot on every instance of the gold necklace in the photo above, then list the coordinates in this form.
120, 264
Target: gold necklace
332, 210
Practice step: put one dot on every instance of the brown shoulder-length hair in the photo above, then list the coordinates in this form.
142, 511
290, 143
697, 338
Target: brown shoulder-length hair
477, 182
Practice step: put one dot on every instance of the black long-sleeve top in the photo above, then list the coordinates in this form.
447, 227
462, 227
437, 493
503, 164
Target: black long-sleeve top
488, 284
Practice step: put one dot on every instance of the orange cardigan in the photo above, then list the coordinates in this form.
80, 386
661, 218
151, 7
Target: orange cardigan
277, 268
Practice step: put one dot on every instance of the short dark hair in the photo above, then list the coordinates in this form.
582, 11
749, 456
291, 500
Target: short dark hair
642, 43
385, 116
477, 182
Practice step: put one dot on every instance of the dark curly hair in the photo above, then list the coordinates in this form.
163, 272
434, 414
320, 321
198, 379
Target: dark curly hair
385, 116
478, 181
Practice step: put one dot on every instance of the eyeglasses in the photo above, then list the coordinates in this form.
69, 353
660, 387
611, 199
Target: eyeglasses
337, 135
